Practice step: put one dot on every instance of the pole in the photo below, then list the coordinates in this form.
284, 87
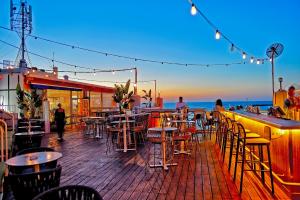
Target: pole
155, 91
135, 81
273, 90
23, 30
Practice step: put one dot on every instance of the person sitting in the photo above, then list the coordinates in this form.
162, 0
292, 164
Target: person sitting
181, 105
219, 106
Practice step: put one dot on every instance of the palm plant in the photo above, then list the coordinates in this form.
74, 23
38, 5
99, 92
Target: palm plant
148, 97
122, 96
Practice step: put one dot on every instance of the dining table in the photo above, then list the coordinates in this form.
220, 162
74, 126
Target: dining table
32, 160
181, 125
163, 130
124, 123
96, 121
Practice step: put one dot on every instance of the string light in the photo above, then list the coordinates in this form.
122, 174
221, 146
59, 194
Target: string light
134, 85
232, 47
94, 72
193, 9
218, 35
270, 59
113, 72
258, 61
251, 60
244, 55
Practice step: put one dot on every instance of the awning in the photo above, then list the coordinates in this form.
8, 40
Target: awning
61, 84
44, 87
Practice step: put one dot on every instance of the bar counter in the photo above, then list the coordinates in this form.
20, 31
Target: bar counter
285, 144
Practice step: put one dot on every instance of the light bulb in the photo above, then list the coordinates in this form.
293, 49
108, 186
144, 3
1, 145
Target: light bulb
33, 70
193, 9
244, 55
252, 60
258, 61
94, 73
270, 59
218, 35
131, 70
134, 85
113, 72
232, 47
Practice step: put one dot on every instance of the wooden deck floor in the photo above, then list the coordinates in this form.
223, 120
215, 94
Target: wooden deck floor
121, 175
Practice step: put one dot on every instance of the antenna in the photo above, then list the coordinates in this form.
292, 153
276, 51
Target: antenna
21, 22
273, 52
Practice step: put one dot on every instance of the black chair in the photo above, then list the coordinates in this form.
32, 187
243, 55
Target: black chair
22, 142
70, 192
33, 150
27, 186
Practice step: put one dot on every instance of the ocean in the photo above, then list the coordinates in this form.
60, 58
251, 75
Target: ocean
226, 104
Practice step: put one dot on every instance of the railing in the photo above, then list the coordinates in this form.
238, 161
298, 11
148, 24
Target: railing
3, 130
11, 117
9, 108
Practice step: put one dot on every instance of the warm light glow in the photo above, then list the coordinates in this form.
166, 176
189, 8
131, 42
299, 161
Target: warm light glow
244, 55
28, 72
33, 70
252, 60
134, 85
258, 61
218, 35
193, 9
54, 73
47, 75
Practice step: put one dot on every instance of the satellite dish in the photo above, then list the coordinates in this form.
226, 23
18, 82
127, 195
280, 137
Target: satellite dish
275, 50
272, 52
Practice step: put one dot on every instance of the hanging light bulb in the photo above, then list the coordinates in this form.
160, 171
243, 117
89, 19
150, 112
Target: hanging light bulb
134, 85
113, 72
270, 59
251, 59
131, 70
193, 9
218, 35
94, 72
244, 55
258, 61
232, 47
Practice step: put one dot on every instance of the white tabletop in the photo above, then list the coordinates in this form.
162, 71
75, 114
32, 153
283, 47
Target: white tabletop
31, 159
159, 129
123, 121
30, 133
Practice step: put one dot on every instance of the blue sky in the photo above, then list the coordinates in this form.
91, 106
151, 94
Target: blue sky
165, 30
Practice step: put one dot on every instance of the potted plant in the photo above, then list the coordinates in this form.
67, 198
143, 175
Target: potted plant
28, 103
122, 96
148, 97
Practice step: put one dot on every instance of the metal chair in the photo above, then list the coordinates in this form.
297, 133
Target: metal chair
27, 186
70, 192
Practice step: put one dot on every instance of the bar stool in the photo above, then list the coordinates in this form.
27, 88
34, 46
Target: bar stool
244, 142
233, 136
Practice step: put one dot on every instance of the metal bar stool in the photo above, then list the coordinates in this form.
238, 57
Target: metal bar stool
244, 142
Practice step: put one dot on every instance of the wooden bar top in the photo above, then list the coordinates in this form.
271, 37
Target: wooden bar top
167, 110
270, 120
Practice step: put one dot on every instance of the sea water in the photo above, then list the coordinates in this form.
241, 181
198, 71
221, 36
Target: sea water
226, 104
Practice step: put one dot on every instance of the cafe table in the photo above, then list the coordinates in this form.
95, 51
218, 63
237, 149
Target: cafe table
95, 121
29, 133
32, 160
180, 124
163, 163
125, 123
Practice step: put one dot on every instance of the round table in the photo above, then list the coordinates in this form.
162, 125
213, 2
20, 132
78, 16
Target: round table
163, 131
32, 160
124, 122
30, 133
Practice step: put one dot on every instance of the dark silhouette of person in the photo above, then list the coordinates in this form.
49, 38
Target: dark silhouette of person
60, 121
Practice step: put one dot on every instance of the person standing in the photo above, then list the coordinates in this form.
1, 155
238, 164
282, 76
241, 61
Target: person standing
60, 121
291, 103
